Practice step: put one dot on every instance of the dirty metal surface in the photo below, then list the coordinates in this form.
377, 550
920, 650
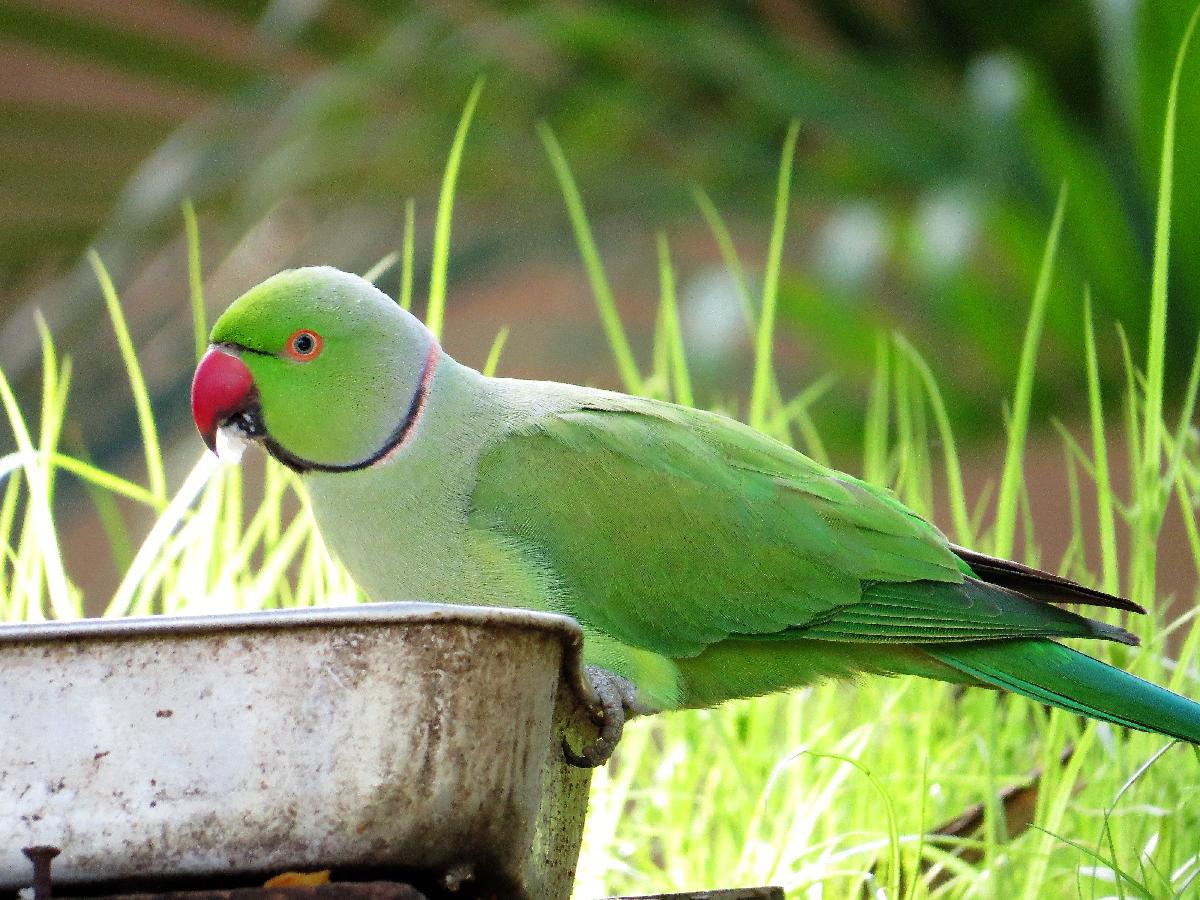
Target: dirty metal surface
384, 735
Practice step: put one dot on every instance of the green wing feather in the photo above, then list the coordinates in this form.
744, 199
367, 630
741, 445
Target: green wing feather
753, 568
671, 530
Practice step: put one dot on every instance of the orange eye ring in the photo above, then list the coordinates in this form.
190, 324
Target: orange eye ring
304, 345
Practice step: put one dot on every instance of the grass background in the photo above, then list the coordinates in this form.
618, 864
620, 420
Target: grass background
835, 791
935, 136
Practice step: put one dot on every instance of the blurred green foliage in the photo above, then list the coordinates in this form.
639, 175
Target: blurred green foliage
935, 136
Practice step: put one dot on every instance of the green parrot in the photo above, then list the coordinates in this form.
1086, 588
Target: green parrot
704, 561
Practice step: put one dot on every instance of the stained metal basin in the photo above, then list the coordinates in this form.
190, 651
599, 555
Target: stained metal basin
399, 735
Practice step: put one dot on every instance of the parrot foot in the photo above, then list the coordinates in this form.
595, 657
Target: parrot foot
618, 702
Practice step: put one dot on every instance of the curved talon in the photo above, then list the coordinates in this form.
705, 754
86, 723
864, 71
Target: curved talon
592, 756
615, 695
598, 752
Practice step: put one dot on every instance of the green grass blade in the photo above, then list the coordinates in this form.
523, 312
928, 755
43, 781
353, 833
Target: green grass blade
230, 487
904, 450
148, 554
493, 357
54, 394
1148, 496
878, 414
407, 255
733, 265
889, 810
960, 515
41, 518
1179, 442
1106, 829
1186, 483
50, 424
8, 505
1156, 351
763, 369
1054, 798
236, 560
795, 408
1075, 507
101, 492
729, 254
601, 290
21, 584
58, 414
435, 312
270, 575
141, 398
981, 506
1110, 575
681, 382
1012, 477
195, 279
385, 262
1133, 432
910, 891
1032, 553
1078, 455
115, 484
814, 446
657, 383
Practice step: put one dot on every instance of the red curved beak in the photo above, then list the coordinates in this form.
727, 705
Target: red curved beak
221, 388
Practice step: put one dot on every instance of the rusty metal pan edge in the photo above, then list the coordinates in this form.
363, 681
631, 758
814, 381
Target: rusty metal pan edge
394, 613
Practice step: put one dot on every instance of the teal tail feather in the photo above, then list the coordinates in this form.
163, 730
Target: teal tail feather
1059, 676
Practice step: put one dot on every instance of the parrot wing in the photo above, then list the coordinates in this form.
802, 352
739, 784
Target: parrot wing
673, 529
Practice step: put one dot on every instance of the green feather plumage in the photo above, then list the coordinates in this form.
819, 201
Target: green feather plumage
1059, 676
810, 527
704, 561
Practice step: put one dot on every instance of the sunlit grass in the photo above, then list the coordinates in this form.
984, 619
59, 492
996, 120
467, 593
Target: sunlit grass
833, 791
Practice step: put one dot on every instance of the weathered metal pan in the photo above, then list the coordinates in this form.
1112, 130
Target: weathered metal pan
397, 735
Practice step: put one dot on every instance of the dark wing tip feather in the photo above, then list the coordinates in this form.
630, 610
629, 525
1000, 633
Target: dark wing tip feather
1040, 585
1114, 633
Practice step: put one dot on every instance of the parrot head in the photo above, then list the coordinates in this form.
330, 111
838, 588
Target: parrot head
324, 369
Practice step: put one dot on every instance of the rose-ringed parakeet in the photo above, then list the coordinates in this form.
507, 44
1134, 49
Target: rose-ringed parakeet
704, 561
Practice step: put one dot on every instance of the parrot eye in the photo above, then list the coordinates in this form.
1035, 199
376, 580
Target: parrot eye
304, 345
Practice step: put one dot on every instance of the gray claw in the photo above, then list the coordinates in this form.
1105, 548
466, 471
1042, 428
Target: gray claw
618, 701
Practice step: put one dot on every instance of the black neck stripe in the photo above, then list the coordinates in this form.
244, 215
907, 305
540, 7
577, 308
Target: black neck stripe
398, 437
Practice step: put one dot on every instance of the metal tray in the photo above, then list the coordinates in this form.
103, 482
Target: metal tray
395, 735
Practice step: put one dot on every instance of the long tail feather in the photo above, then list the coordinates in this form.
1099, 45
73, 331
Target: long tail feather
1059, 676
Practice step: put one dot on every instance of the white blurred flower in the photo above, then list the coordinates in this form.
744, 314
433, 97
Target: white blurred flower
945, 230
852, 245
995, 85
711, 316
